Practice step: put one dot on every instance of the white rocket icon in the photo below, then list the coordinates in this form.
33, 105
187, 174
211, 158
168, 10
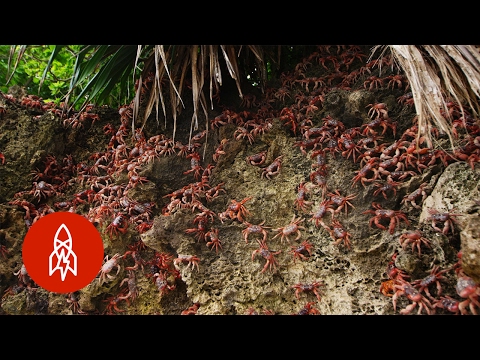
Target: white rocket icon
62, 255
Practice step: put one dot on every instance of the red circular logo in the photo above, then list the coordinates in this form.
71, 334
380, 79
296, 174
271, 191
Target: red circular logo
62, 252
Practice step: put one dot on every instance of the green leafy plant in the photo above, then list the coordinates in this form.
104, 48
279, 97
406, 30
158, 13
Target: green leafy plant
19, 77
51, 70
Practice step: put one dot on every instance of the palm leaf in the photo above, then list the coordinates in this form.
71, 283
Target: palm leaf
116, 67
466, 84
215, 73
230, 59
85, 68
437, 72
55, 52
19, 55
181, 68
161, 52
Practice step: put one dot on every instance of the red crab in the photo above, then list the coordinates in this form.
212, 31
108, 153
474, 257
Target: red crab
320, 160
412, 197
469, 290
380, 109
194, 165
255, 229
113, 302
448, 219
370, 166
214, 239
341, 201
313, 287
339, 234
396, 80
374, 82
406, 99
219, 150
22, 275
297, 251
236, 210
290, 229
319, 213
134, 252
72, 298
416, 238
380, 213
384, 123
43, 189
201, 228
242, 133
119, 224
389, 185
308, 310
319, 179
257, 159
267, 255
300, 202
108, 266
405, 288
133, 291
434, 277
161, 283
187, 259
447, 303
192, 310
393, 272
349, 147
281, 93
213, 192
273, 168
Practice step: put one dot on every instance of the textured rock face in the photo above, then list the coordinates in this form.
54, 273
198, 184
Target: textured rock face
470, 236
236, 278
457, 192
231, 280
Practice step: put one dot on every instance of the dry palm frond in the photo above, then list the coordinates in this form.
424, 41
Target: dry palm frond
467, 59
215, 72
230, 59
437, 73
203, 60
259, 58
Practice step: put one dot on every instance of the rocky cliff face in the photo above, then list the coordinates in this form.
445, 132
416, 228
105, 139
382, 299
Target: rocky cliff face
315, 137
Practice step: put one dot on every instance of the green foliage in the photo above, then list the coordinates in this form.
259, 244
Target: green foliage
32, 66
47, 71
103, 77
20, 77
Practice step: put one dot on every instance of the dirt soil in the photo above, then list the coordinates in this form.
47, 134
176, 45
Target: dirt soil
215, 210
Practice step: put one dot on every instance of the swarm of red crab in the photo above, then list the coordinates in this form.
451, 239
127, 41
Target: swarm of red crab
383, 157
